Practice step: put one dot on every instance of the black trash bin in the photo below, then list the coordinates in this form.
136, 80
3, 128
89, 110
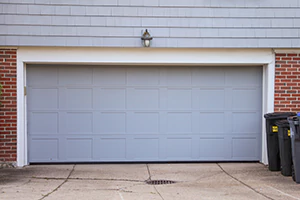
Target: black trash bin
272, 138
295, 141
285, 148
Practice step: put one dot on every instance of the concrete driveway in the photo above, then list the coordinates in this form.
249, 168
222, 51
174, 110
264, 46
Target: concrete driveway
127, 182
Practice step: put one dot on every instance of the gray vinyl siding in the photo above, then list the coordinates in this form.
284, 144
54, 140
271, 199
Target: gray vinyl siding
172, 23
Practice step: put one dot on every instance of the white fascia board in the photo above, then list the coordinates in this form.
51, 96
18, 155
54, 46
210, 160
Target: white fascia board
146, 55
287, 50
139, 56
8, 47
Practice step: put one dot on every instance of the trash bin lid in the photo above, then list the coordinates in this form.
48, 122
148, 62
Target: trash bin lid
293, 120
279, 115
283, 123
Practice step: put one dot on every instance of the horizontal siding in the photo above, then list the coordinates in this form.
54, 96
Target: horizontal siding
167, 3
189, 23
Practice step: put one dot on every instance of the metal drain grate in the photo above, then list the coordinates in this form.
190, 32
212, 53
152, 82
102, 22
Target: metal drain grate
159, 182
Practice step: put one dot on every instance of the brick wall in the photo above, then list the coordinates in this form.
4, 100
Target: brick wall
287, 82
8, 107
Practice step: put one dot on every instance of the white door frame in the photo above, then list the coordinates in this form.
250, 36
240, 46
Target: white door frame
140, 56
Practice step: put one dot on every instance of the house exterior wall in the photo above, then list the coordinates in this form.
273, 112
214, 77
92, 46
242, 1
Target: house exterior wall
8, 107
287, 95
172, 23
208, 25
287, 82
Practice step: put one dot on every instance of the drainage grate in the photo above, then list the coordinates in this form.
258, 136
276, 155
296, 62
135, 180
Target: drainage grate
159, 182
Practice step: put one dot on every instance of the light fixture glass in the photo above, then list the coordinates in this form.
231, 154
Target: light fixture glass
146, 38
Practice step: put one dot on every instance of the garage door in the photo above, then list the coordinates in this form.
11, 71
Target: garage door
143, 113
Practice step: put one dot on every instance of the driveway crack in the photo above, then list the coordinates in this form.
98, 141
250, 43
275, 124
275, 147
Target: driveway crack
91, 179
149, 179
148, 173
159, 193
66, 179
243, 183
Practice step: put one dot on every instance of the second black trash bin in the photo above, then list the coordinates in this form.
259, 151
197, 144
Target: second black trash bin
295, 140
272, 138
285, 148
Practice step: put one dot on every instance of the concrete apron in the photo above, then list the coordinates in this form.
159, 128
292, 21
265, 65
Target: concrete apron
127, 181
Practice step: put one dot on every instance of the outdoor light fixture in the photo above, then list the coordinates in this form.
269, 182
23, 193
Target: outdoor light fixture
146, 38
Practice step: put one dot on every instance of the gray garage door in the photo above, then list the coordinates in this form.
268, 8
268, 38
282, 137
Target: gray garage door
143, 113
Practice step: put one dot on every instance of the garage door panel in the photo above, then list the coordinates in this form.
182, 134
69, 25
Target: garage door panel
179, 99
36, 76
179, 76
179, 122
45, 123
109, 98
245, 76
107, 76
148, 148
140, 76
43, 149
75, 76
212, 99
79, 98
212, 123
43, 98
246, 99
109, 149
246, 122
208, 76
208, 150
143, 113
143, 122
79, 149
79, 122
109, 122
143, 99
179, 148
244, 148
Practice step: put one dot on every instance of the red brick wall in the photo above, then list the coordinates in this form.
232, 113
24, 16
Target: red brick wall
287, 82
8, 107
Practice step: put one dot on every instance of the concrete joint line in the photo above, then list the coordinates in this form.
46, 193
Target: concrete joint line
248, 186
283, 192
158, 193
27, 182
118, 190
90, 179
66, 179
207, 176
148, 172
153, 185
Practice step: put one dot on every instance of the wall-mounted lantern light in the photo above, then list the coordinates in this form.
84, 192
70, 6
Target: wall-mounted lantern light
146, 38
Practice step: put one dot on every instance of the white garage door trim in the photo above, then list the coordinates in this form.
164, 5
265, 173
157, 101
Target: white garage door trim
140, 56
